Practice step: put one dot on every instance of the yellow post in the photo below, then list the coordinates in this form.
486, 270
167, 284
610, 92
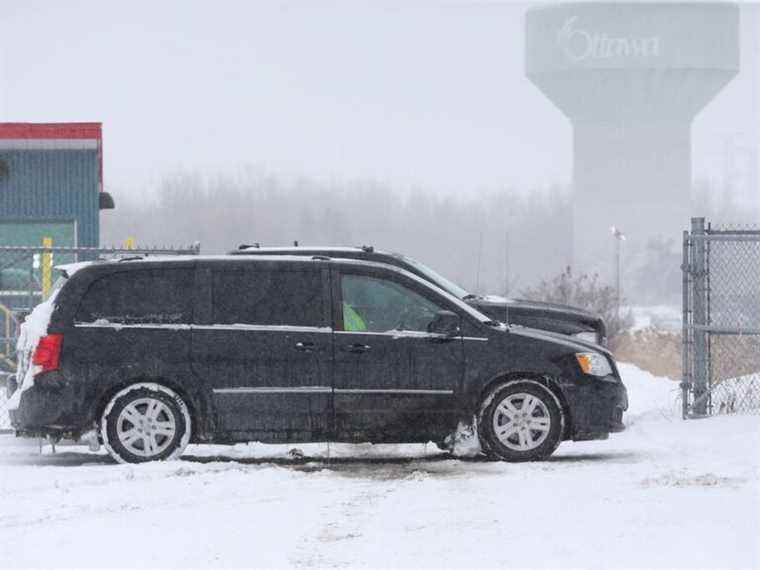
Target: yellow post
130, 243
8, 320
47, 268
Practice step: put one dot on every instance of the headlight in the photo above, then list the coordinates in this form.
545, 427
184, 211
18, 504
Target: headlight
588, 337
593, 363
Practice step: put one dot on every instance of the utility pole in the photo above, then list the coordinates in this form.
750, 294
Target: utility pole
506, 275
480, 256
506, 264
619, 239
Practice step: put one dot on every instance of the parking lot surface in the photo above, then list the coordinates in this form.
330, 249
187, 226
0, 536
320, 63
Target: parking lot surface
663, 494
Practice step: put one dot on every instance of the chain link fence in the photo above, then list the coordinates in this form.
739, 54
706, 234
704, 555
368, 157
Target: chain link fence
27, 277
721, 320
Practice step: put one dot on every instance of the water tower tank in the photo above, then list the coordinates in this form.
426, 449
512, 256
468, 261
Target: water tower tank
630, 77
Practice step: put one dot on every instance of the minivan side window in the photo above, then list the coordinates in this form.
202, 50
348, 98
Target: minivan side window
267, 297
378, 305
145, 296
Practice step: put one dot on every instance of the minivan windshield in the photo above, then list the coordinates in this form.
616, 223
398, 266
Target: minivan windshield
477, 315
436, 278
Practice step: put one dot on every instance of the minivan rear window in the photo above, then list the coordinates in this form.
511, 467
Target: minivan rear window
149, 296
261, 296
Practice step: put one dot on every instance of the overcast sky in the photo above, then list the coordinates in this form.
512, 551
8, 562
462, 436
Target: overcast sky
430, 94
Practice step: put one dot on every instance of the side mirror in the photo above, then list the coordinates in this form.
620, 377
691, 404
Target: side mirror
444, 323
105, 201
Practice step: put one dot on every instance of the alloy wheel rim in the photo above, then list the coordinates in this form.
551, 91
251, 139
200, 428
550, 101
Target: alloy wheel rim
521, 422
146, 427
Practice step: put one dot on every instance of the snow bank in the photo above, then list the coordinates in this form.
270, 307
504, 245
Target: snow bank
649, 395
660, 317
740, 394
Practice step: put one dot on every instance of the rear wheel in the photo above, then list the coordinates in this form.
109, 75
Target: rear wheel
520, 421
145, 422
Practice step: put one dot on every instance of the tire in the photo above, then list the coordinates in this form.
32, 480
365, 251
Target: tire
145, 422
509, 432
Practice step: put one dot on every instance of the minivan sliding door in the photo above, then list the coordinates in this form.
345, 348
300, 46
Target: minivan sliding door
264, 350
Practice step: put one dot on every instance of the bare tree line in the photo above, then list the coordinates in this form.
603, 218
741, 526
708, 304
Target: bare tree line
454, 235
474, 239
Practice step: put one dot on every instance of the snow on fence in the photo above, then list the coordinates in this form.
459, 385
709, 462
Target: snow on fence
721, 320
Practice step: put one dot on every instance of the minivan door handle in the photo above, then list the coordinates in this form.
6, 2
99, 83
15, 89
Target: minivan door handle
357, 347
305, 346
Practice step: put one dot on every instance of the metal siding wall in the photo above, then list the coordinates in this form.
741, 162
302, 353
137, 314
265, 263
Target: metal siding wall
53, 184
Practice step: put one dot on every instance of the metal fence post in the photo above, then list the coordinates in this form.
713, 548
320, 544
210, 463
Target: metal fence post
686, 376
699, 316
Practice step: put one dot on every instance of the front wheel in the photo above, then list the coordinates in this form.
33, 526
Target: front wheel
145, 422
520, 421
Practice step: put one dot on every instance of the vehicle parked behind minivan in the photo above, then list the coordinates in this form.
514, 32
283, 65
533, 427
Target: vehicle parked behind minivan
564, 319
147, 355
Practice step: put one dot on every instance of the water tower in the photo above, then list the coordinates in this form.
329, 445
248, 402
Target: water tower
631, 78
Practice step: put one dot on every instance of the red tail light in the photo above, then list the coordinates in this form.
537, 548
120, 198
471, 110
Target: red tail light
48, 352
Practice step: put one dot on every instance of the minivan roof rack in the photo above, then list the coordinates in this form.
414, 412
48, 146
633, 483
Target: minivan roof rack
321, 257
253, 245
368, 248
131, 258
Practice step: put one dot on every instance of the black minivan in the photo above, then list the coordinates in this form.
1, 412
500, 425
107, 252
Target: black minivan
147, 355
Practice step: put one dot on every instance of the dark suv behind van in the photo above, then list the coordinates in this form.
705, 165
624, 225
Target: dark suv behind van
562, 319
148, 355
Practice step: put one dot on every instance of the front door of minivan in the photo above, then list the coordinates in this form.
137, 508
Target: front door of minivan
262, 345
393, 381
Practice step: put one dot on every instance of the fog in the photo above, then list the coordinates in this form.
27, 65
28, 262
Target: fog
496, 242
427, 94
411, 126
465, 238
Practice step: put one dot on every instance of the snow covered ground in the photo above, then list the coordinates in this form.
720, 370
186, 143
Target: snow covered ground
661, 317
663, 494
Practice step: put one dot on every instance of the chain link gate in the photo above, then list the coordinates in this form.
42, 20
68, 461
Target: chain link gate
721, 320
26, 276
